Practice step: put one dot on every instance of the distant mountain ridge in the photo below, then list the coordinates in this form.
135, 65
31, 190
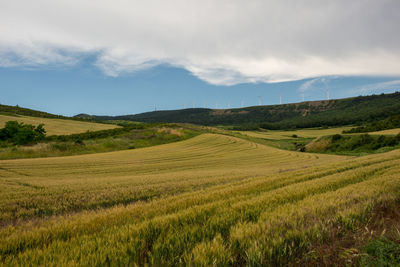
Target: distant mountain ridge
354, 110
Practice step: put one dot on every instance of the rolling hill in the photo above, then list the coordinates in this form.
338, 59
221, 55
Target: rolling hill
234, 202
17, 110
308, 114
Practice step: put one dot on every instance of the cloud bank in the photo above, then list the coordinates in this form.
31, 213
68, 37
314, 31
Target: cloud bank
222, 42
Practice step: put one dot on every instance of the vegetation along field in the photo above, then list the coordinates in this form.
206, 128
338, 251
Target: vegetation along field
18, 139
327, 140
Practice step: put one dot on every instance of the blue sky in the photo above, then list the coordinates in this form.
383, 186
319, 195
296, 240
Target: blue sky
123, 57
83, 88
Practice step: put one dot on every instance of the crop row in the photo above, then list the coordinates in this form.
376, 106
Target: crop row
258, 219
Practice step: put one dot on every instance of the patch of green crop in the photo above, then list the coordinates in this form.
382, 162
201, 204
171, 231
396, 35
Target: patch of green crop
381, 252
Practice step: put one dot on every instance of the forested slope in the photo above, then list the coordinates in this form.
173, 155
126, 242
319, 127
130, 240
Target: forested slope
356, 110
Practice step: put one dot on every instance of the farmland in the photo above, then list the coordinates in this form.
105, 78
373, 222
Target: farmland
57, 126
289, 134
389, 132
209, 200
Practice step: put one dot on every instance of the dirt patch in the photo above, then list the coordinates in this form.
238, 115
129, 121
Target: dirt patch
221, 112
317, 145
177, 132
227, 112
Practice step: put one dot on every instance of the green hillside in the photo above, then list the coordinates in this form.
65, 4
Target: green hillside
355, 110
17, 110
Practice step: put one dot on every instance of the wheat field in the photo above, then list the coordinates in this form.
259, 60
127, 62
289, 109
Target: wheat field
305, 133
58, 126
212, 200
387, 132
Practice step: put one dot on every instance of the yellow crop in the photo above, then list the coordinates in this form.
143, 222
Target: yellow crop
305, 133
58, 126
212, 200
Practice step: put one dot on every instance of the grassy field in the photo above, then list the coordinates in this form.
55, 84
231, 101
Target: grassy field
306, 133
387, 132
301, 133
212, 200
57, 126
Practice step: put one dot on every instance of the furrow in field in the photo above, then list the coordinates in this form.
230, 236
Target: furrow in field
215, 189
199, 225
290, 192
92, 181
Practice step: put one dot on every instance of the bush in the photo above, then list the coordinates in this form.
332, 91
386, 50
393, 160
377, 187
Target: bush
336, 137
361, 143
22, 134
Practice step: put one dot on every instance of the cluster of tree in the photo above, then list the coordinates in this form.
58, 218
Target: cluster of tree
389, 123
356, 110
22, 134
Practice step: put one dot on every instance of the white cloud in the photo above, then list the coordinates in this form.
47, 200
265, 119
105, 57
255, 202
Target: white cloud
221, 42
35, 54
308, 84
388, 86
316, 83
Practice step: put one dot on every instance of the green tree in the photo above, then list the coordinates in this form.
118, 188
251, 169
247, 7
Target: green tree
22, 134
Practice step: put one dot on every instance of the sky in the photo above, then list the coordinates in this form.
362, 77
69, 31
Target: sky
126, 57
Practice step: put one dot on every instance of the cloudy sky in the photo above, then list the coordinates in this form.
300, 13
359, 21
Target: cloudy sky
78, 56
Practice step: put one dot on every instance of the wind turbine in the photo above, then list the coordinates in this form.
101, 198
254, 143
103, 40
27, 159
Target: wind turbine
326, 88
327, 91
259, 100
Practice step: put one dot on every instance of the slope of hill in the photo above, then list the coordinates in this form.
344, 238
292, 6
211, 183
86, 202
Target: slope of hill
16, 110
391, 122
57, 126
308, 114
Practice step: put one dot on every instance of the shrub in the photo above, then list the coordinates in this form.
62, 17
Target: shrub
22, 134
336, 137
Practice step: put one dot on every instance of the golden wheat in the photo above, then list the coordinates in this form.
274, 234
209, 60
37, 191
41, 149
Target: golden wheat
212, 200
58, 126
